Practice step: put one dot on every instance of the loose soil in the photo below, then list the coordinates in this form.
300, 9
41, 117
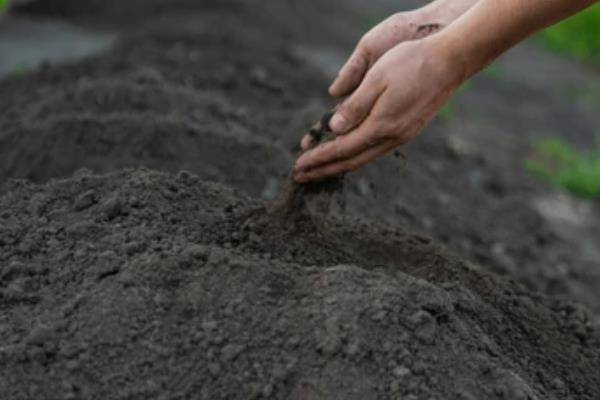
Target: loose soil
143, 284
212, 284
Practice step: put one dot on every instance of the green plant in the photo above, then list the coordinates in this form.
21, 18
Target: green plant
557, 161
3, 4
449, 110
577, 36
494, 71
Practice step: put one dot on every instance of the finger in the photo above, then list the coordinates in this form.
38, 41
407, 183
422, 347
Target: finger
306, 141
350, 75
352, 112
340, 148
344, 166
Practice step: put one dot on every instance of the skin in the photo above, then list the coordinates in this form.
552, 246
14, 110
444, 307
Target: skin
398, 28
398, 78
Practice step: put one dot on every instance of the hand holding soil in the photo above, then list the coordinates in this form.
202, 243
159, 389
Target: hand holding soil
398, 28
148, 260
409, 84
398, 97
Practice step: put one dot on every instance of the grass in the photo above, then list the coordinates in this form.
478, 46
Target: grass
577, 36
556, 161
3, 4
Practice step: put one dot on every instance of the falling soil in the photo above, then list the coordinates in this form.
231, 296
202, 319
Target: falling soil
122, 282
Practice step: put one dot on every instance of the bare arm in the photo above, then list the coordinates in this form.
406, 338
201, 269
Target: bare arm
409, 84
494, 26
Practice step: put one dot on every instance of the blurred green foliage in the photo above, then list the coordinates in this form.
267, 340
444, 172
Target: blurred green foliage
589, 94
578, 36
557, 161
3, 4
494, 71
449, 110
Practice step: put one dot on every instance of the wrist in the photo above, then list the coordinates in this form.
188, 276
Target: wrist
448, 59
444, 12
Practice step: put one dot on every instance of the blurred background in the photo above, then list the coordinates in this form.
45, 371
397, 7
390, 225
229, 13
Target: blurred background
508, 176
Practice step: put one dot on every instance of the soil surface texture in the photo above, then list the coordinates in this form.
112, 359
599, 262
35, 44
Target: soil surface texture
124, 276
148, 285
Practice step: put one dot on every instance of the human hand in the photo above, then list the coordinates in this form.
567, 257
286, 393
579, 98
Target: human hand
399, 95
398, 28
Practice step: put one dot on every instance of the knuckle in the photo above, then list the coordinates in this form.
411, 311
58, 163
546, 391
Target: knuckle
374, 78
384, 131
364, 43
387, 135
351, 166
352, 110
356, 67
374, 140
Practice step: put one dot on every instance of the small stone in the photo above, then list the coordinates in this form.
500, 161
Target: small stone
231, 352
197, 251
425, 326
209, 325
39, 335
85, 201
558, 384
401, 372
112, 207
73, 365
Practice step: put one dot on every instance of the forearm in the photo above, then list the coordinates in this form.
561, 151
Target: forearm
444, 12
493, 26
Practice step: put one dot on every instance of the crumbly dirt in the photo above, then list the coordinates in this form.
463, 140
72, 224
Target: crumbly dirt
212, 284
140, 284
219, 84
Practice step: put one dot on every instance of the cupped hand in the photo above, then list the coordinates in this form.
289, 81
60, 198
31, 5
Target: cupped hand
374, 44
399, 95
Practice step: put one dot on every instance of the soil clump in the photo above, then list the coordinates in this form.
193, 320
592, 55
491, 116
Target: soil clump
141, 284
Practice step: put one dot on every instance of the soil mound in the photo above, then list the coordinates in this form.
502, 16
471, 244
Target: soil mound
182, 94
119, 12
184, 74
106, 125
140, 284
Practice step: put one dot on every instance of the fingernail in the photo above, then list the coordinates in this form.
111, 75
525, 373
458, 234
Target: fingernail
338, 123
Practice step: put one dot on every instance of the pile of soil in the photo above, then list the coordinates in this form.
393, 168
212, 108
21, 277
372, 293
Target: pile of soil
143, 284
206, 86
182, 94
132, 283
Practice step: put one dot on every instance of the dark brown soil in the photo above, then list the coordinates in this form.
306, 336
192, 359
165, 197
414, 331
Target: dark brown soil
133, 283
142, 284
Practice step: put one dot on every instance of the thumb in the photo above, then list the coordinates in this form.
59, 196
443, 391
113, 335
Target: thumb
351, 74
357, 107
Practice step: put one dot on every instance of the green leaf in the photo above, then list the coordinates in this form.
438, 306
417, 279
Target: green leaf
577, 36
556, 161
